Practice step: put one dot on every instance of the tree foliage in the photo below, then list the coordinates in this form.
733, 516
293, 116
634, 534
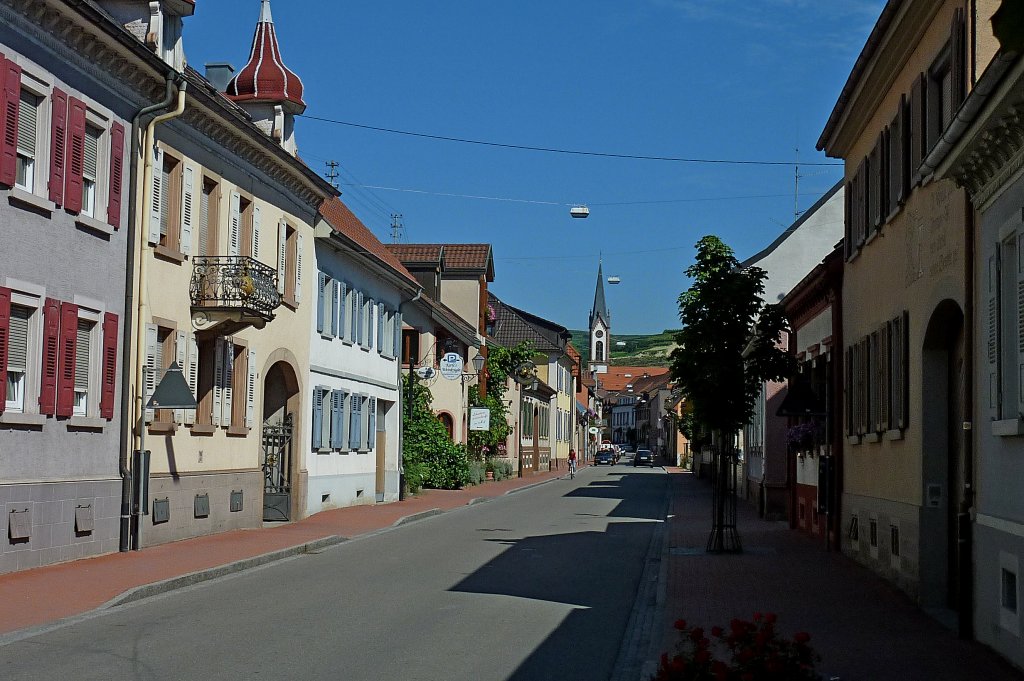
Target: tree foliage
430, 458
730, 342
500, 364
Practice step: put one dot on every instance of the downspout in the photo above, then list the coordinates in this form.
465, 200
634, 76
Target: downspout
966, 511
401, 402
127, 337
142, 248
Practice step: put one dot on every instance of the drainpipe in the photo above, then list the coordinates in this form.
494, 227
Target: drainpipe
141, 252
127, 338
401, 401
965, 547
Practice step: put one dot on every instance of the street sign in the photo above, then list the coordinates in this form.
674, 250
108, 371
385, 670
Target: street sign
451, 366
479, 418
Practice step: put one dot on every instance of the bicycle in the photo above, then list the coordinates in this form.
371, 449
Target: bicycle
572, 469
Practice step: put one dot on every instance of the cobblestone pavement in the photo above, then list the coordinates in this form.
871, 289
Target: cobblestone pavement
41, 596
863, 627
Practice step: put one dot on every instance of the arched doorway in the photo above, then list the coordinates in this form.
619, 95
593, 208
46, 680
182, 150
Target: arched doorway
281, 419
449, 424
943, 386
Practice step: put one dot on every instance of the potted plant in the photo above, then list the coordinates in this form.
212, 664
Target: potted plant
489, 469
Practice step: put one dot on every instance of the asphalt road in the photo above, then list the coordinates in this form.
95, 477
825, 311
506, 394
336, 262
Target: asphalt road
536, 585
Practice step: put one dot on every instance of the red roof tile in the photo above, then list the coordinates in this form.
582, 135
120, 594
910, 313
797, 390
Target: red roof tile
417, 253
617, 378
465, 257
345, 222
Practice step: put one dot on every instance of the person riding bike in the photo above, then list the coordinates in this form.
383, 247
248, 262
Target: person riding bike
572, 463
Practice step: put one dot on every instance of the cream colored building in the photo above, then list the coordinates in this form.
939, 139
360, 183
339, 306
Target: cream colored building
903, 295
226, 278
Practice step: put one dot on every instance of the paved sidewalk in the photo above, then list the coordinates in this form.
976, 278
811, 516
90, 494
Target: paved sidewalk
41, 596
863, 627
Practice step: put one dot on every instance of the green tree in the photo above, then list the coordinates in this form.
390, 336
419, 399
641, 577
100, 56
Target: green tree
500, 364
430, 458
729, 346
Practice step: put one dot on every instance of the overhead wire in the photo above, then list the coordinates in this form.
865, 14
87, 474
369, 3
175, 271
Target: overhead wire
574, 152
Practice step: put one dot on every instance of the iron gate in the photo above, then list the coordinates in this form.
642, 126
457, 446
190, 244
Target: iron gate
277, 457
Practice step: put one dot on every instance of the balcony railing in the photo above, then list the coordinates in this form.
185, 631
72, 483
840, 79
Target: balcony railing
234, 283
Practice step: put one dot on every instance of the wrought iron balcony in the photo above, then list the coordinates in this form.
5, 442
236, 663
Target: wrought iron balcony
233, 288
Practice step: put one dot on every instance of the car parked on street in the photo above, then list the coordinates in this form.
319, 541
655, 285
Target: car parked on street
643, 457
604, 456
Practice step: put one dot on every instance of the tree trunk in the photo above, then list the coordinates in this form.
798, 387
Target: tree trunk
725, 537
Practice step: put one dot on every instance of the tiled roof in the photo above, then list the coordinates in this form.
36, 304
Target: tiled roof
418, 254
345, 222
265, 78
455, 257
618, 377
514, 326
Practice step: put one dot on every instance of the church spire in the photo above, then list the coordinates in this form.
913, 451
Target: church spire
600, 309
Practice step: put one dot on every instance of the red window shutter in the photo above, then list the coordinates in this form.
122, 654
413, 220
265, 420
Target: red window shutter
51, 329
67, 345
116, 175
108, 378
58, 148
11, 77
75, 164
5, 335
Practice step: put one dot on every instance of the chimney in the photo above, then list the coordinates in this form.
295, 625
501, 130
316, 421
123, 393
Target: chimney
219, 73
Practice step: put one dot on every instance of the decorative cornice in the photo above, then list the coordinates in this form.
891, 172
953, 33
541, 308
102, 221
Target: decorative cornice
996, 154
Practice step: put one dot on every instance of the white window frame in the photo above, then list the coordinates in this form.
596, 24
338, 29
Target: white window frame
92, 188
32, 297
92, 401
32, 157
36, 81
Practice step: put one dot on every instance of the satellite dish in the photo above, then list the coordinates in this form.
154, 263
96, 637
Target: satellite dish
614, 280
579, 211
426, 373
525, 373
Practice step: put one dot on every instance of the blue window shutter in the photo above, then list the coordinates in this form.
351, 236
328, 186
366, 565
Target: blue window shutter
321, 282
337, 419
318, 417
353, 427
371, 427
398, 335
342, 332
380, 327
333, 305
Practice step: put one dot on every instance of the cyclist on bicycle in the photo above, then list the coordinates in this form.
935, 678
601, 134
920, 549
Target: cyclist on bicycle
572, 463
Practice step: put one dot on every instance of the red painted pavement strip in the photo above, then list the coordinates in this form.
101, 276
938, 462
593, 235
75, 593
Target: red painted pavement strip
43, 595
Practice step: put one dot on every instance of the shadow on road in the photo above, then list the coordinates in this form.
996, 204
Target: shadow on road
597, 572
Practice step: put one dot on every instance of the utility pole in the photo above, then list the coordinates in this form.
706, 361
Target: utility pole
332, 173
796, 186
397, 228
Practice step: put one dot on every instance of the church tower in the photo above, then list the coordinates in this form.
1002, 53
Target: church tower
600, 325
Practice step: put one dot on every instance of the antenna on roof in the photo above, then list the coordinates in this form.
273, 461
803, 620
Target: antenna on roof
397, 228
332, 173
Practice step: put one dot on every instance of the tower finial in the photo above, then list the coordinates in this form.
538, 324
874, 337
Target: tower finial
265, 16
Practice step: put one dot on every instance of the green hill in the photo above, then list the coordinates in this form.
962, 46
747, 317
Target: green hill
636, 349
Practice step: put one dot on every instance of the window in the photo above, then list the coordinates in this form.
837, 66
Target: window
289, 262
90, 169
209, 209
355, 424
599, 351
17, 357
160, 352
410, 347
202, 363
28, 140
894, 545
166, 201
877, 382
873, 537
1009, 596
1009, 590
83, 357
371, 323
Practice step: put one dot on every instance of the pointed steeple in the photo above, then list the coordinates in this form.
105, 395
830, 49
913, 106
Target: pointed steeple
265, 78
600, 309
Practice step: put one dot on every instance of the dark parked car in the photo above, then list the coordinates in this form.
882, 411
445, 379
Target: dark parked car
645, 457
604, 456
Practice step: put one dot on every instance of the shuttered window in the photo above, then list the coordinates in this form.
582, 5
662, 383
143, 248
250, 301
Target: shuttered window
17, 357
82, 355
90, 169
28, 133
204, 219
165, 204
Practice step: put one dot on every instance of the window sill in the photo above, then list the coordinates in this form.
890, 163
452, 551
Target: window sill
28, 200
347, 342
163, 428
326, 336
871, 438
323, 450
894, 212
853, 439
203, 429
85, 423
893, 435
1008, 427
872, 235
365, 349
91, 224
290, 303
169, 254
238, 431
20, 419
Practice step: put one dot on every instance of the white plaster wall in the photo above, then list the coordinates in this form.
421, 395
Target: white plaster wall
814, 331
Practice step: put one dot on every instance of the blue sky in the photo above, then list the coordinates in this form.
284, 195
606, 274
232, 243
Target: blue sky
716, 79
